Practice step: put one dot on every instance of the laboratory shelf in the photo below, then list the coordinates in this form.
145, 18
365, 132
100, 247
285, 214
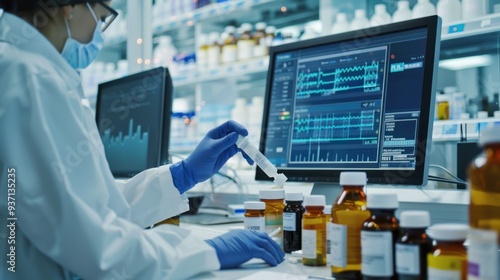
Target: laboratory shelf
225, 71
454, 130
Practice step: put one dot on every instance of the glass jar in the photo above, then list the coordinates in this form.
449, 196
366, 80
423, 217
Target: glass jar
448, 256
292, 222
254, 217
274, 200
314, 231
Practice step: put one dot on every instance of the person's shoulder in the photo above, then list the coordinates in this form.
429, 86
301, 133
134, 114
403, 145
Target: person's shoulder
18, 61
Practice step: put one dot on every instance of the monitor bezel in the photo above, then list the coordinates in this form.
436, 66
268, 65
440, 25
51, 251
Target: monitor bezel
163, 76
382, 176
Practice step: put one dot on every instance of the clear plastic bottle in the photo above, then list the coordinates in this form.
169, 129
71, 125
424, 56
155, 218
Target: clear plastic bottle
260, 48
381, 16
360, 20
403, 12
270, 34
472, 9
229, 46
314, 231
292, 222
202, 51
378, 238
246, 42
341, 24
274, 200
254, 216
423, 8
449, 10
413, 245
448, 257
348, 214
163, 54
484, 207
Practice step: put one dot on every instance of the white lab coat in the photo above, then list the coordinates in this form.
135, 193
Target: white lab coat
71, 213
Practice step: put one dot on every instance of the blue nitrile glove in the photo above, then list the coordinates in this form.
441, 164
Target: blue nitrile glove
239, 246
209, 156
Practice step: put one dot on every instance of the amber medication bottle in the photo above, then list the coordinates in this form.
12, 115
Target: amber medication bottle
292, 222
448, 257
348, 214
484, 208
314, 231
274, 200
413, 245
254, 216
378, 237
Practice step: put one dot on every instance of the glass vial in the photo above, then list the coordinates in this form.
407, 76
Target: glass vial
254, 216
413, 245
448, 257
378, 237
292, 222
484, 207
274, 200
314, 231
348, 214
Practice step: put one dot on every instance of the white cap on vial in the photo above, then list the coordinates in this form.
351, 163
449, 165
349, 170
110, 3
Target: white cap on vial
382, 201
294, 196
415, 219
489, 135
352, 179
448, 232
314, 200
327, 210
254, 205
272, 194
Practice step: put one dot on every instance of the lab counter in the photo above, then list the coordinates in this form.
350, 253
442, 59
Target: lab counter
257, 269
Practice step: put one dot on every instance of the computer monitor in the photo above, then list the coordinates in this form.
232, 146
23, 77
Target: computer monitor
133, 118
355, 101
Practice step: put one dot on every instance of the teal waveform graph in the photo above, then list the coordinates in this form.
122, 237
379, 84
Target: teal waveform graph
364, 77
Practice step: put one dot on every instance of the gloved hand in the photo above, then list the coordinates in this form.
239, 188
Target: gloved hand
209, 156
239, 246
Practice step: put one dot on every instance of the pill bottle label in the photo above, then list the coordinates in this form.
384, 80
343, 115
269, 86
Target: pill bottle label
257, 224
444, 267
482, 255
338, 244
408, 259
377, 253
308, 244
289, 222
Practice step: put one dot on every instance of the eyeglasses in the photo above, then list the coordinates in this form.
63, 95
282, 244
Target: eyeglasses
106, 21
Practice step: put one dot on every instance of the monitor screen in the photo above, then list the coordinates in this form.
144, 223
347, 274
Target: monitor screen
355, 101
133, 118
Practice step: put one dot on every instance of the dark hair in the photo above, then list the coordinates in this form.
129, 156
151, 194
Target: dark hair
15, 6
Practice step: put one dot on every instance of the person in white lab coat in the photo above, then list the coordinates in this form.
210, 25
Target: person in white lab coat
64, 215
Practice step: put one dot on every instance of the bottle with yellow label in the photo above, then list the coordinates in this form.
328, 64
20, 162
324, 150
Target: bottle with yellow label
448, 257
348, 214
484, 208
275, 204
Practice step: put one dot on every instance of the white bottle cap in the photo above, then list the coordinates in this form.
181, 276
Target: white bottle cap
464, 116
230, 29
403, 5
270, 29
294, 196
314, 200
341, 17
352, 179
246, 27
482, 115
272, 194
415, 219
380, 8
496, 114
254, 205
327, 210
359, 13
260, 26
382, 201
448, 232
280, 180
489, 135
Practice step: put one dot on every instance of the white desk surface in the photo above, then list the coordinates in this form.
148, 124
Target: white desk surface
288, 269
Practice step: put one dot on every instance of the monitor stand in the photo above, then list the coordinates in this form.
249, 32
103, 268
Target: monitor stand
329, 190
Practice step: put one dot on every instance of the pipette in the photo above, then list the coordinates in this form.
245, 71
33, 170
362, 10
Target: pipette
246, 145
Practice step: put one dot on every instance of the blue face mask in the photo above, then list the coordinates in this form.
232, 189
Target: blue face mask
80, 55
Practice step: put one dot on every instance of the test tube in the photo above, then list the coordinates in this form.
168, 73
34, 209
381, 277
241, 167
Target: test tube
251, 150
